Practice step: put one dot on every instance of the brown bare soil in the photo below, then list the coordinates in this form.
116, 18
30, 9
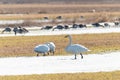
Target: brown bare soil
56, 8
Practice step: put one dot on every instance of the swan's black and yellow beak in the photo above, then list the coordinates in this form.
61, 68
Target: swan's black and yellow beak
67, 36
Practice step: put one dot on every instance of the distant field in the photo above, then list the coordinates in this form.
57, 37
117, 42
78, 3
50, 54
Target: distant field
38, 11
24, 45
56, 8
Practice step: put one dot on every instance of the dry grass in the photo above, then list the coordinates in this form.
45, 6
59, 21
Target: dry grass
23, 46
75, 76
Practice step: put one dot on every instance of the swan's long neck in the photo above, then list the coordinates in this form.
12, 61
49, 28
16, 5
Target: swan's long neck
70, 40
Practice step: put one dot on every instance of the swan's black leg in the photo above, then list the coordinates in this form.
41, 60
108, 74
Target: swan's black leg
75, 56
81, 55
48, 53
37, 54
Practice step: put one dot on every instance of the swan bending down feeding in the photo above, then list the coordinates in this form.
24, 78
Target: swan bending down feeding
43, 49
52, 47
75, 48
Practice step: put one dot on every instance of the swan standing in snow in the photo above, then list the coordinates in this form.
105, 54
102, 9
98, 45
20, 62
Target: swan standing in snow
75, 48
43, 49
52, 47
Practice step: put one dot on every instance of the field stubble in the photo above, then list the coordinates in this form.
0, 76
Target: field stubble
24, 45
76, 76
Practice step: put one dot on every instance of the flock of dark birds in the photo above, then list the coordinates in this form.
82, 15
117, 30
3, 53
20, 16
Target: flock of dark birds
22, 30
16, 30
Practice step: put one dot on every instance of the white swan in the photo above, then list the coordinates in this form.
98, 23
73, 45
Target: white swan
52, 47
75, 48
43, 49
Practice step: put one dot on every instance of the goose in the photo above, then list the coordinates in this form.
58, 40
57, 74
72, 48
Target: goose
75, 48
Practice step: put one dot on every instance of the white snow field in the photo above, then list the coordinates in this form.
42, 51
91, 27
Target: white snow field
59, 64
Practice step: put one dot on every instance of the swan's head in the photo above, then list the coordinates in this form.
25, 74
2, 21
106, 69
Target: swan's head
67, 36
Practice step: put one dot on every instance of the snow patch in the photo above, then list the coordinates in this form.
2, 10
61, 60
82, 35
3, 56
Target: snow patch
59, 64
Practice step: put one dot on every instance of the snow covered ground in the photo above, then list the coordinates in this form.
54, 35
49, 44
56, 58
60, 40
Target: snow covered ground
38, 32
59, 64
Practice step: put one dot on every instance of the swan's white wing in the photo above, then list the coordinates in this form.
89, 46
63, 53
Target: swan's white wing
41, 49
76, 48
